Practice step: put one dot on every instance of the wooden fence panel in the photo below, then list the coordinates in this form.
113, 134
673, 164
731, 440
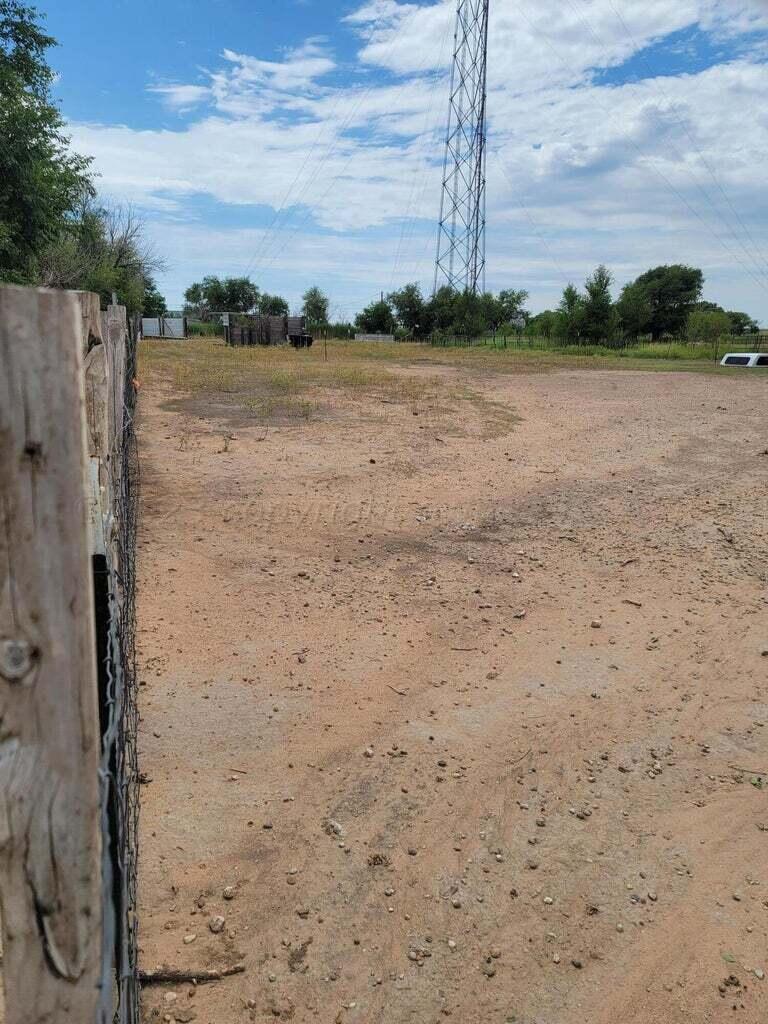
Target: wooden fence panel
50, 847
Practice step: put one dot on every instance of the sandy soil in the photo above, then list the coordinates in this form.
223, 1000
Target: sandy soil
446, 727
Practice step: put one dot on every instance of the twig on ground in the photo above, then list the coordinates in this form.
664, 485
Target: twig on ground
163, 975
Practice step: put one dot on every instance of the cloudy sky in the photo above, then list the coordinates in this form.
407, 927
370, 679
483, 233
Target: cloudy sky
299, 141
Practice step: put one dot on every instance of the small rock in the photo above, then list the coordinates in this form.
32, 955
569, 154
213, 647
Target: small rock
759, 973
596, 624
368, 752
188, 939
229, 893
216, 924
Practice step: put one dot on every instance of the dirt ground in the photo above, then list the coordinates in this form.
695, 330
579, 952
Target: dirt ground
450, 720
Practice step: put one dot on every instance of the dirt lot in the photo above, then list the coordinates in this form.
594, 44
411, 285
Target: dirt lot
454, 697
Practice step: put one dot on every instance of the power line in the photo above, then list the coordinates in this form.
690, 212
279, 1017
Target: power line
655, 170
338, 133
707, 197
760, 258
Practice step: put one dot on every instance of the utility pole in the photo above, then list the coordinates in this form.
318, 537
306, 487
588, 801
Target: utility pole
460, 262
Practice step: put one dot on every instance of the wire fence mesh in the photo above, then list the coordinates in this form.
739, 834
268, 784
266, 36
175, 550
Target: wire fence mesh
120, 991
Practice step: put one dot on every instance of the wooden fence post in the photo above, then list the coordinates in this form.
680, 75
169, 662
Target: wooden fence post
50, 845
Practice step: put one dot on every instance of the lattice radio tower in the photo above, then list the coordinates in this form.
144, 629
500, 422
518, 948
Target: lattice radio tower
461, 234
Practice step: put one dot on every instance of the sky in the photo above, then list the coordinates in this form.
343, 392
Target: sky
301, 141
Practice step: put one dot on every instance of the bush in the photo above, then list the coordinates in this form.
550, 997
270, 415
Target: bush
201, 330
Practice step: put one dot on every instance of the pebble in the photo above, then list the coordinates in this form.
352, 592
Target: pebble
596, 624
229, 893
759, 973
189, 939
452, 945
368, 752
548, 901
216, 924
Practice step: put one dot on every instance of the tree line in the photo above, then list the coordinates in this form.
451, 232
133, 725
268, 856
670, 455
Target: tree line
665, 301
53, 229
204, 299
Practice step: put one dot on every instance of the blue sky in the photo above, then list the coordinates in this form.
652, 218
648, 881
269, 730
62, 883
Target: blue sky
301, 141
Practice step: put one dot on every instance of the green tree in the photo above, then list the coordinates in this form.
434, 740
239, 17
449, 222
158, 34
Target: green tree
411, 310
513, 305
708, 326
315, 306
598, 315
272, 305
378, 318
569, 315
213, 295
634, 311
542, 325
672, 293
442, 309
154, 302
102, 249
41, 181
742, 323
493, 312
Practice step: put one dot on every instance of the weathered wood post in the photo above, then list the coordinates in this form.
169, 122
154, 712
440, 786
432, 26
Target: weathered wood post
50, 847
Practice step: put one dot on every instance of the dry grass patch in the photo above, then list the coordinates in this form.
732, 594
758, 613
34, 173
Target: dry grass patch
273, 383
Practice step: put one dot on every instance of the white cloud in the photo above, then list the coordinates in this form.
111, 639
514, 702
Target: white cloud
182, 97
579, 172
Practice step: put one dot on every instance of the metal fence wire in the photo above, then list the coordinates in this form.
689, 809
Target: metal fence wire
115, 581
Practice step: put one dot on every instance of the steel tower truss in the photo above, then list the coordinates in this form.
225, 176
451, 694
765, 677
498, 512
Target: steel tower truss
461, 235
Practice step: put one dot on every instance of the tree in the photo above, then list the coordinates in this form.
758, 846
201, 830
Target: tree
542, 325
212, 295
672, 292
240, 295
154, 302
742, 323
442, 309
634, 311
512, 303
598, 316
708, 326
102, 249
41, 181
569, 314
315, 307
493, 312
377, 318
411, 310
272, 305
